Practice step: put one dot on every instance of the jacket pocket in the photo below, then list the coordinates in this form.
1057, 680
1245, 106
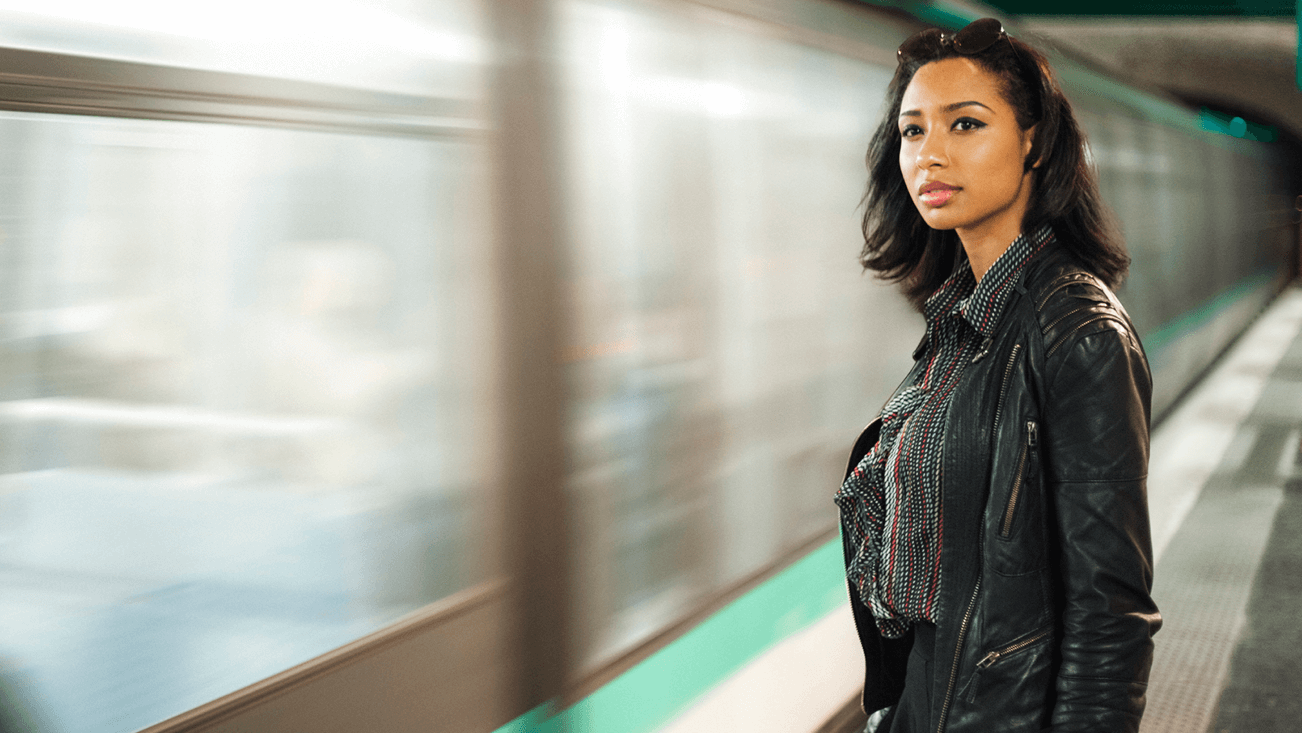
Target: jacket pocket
1010, 666
1023, 478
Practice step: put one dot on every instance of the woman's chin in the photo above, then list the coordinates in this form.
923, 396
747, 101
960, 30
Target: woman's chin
938, 218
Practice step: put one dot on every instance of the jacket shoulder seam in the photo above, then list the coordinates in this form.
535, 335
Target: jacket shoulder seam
1065, 305
1099, 319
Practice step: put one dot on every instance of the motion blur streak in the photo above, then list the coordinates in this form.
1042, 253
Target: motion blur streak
244, 370
235, 435
349, 42
715, 179
412, 365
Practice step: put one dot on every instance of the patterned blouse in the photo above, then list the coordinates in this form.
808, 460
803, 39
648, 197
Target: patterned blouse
890, 504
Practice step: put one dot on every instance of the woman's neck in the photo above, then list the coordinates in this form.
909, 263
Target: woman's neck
982, 253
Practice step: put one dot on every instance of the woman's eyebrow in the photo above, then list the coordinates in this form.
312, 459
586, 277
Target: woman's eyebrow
946, 108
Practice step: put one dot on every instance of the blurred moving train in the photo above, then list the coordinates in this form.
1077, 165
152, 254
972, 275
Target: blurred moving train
412, 365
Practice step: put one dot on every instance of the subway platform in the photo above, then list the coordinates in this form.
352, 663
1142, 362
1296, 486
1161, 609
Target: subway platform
1225, 493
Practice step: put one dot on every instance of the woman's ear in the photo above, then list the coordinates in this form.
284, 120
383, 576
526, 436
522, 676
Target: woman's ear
1031, 152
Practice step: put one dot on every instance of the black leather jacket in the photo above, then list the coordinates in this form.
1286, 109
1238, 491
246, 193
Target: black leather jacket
1046, 619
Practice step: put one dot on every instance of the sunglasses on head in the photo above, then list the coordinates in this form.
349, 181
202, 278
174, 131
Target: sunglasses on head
974, 38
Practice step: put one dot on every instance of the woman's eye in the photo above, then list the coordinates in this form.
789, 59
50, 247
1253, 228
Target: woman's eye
967, 123
909, 131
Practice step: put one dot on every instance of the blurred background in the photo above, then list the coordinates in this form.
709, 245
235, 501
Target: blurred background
445, 364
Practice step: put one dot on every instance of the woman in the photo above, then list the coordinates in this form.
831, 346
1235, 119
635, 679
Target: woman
994, 516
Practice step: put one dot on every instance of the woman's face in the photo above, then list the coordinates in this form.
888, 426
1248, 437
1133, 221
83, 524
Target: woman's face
961, 151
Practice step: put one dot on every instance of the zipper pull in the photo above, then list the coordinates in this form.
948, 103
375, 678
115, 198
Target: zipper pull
988, 660
985, 348
1031, 433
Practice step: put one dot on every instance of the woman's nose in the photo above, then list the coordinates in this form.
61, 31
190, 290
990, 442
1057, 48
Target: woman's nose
932, 153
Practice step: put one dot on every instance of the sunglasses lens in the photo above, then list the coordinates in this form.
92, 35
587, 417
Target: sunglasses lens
975, 37
978, 35
920, 44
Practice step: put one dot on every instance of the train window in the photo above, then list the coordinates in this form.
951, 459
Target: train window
724, 337
423, 48
241, 384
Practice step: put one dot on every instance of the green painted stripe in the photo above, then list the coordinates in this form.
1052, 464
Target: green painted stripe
534, 721
1224, 123
666, 683
940, 13
1076, 78
1190, 321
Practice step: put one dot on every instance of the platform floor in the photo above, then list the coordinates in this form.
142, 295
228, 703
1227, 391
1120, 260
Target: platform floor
1226, 498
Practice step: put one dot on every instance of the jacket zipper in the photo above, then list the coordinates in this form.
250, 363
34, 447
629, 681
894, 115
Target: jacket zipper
1003, 387
1093, 319
995, 656
976, 589
1027, 447
958, 654
992, 657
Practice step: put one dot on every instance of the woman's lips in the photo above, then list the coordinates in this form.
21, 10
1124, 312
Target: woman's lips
938, 197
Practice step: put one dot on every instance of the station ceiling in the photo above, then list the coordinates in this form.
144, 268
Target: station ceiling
1236, 57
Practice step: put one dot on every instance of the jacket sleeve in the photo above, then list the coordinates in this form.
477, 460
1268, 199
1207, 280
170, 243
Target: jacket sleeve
1096, 423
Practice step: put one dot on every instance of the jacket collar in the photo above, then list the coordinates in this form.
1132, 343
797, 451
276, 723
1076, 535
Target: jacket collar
981, 304
986, 304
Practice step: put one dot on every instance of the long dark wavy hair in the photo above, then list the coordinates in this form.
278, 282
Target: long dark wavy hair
901, 247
